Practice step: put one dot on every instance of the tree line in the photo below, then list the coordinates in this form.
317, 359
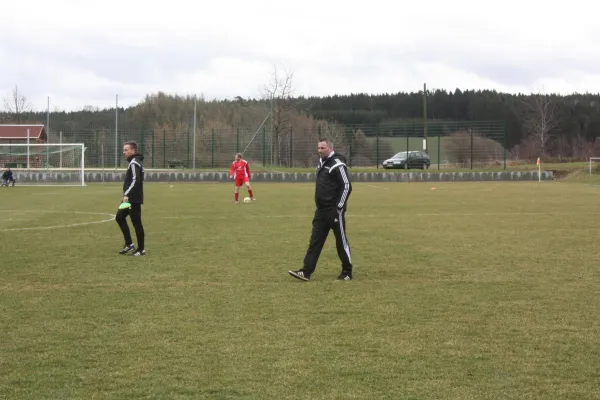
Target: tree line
547, 125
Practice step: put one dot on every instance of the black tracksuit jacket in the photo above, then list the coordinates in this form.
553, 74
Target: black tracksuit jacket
333, 185
133, 186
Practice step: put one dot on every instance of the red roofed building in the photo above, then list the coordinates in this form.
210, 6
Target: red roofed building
17, 134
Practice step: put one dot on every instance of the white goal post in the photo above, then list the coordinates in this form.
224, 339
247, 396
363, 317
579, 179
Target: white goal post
42, 164
592, 160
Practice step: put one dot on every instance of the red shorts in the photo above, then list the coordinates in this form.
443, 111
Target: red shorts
241, 181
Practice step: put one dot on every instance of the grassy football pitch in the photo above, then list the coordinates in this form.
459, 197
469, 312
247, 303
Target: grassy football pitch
471, 291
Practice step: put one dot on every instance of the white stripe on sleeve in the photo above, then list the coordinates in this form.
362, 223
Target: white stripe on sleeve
133, 180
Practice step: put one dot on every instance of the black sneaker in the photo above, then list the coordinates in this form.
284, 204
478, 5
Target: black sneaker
128, 248
345, 276
300, 274
139, 253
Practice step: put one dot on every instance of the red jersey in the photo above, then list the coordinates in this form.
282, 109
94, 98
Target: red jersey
240, 169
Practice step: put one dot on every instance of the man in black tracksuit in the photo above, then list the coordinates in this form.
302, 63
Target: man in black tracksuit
7, 176
332, 191
133, 193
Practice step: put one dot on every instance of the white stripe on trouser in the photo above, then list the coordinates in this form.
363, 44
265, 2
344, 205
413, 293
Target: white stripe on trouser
343, 234
346, 187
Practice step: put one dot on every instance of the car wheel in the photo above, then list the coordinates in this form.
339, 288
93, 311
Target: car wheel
406, 166
425, 166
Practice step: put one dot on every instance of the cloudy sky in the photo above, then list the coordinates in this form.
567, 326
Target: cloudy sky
85, 53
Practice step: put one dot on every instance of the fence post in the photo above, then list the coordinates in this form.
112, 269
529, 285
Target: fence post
60, 153
505, 144
291, 147
237, 143
164, 148
264, 146
377, 150
28, 149
97, 151
153, 148
142, 144
212, 149
439, 151
350, 141
471, 148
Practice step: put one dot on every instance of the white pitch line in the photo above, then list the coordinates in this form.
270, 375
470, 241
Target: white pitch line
61, 212
59, 226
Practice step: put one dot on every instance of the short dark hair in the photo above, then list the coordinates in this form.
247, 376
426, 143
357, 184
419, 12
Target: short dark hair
329, 142
132, 144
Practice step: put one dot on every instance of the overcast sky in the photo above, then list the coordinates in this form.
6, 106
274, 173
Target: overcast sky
85, 53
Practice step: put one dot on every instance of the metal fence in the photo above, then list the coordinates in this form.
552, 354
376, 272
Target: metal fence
467, 144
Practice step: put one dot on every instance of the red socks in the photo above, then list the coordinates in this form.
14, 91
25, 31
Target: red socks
237, 195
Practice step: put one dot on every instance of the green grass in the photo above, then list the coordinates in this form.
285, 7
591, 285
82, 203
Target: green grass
471, 291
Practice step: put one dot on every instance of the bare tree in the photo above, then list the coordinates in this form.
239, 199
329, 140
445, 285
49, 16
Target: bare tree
278, 92
541, 119
16, 104
90, 108
337, 134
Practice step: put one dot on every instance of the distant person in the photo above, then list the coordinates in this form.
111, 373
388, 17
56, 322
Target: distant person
133, 193
240, 172
332, 192
7, 176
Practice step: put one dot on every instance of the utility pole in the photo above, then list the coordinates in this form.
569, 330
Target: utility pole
48, 120
271, 135
116, 131
194, 137
425, 117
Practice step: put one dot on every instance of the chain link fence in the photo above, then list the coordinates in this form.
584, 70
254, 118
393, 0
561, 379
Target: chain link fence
452, 144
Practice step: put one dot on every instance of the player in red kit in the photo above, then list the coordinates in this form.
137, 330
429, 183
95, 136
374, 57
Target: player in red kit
240, 171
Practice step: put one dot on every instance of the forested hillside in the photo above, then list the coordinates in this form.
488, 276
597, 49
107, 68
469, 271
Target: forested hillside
550, 125
570, 121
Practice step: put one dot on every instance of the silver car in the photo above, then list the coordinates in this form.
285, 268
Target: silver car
408, 159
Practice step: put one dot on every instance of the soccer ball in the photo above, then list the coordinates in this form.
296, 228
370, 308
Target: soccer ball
247, 199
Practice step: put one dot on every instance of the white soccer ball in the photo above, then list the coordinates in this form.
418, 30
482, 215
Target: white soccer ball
247, 199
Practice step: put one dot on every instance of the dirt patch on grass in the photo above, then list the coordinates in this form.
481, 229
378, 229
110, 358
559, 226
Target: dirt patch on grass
563, 173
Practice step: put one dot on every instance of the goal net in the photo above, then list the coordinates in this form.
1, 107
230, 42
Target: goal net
44, 164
